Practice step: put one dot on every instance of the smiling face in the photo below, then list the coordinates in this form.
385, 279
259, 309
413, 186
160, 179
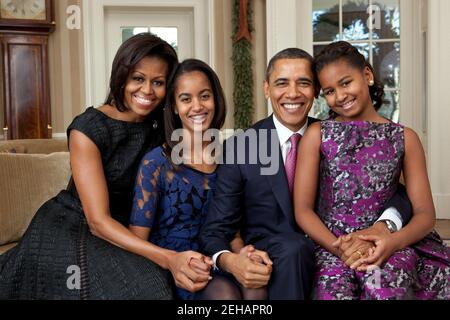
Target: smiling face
194, 101
346, 89
145, 88
291, 91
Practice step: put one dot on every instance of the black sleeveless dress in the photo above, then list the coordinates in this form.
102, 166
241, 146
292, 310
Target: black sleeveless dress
59, 258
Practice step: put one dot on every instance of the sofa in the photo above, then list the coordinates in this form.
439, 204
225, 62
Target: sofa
31, 172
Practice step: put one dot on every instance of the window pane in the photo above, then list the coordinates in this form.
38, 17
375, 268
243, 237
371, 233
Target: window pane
169, 34
386, 62
355, 18
326, 20
391, 109
363, 48
387, 19
128, 32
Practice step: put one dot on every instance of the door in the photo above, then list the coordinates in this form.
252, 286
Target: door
175, 25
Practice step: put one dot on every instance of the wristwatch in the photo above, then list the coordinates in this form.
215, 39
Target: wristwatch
392, 227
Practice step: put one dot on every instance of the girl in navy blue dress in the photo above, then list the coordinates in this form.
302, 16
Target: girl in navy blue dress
171, 199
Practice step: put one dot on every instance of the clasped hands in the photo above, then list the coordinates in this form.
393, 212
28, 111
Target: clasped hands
364, 248
251, 267
190, 270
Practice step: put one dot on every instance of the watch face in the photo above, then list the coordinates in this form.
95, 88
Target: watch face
23, 9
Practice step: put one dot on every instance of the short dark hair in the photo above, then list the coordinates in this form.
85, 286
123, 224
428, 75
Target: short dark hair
171, 120
130, 53
292, 53
342, 50
289, 53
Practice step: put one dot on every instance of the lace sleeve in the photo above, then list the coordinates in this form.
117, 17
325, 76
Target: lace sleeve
146, 193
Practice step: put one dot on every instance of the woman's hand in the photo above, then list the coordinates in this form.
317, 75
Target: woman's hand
385, 247
190, 277
352, 248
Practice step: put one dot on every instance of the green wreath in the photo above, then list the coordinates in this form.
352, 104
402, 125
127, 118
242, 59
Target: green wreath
242, 67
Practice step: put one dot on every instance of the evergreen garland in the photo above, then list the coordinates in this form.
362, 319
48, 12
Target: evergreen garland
243, 71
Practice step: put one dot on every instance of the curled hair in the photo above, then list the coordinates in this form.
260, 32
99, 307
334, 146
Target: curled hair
130, 53
171, 120
343, 50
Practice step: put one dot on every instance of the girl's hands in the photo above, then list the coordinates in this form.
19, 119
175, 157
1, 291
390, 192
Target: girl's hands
385, 247
190, 270
351, 248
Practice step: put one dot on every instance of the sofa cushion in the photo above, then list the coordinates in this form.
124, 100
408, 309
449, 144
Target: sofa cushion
12, 149
27, 181
32, 146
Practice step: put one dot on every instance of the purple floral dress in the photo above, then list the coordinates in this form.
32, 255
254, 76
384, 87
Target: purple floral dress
360, 167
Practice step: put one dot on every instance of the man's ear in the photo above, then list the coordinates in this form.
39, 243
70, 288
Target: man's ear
266, 89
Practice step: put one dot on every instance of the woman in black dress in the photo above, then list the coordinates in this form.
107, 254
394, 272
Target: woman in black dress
78, 245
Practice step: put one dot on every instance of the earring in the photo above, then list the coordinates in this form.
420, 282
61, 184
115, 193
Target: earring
371, 83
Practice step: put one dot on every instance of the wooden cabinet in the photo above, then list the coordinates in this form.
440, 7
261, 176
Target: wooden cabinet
26, 92
25, 27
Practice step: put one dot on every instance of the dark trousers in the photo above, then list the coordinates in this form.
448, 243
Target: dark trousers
293, 265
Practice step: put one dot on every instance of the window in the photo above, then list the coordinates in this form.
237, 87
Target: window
373, 26
169, 34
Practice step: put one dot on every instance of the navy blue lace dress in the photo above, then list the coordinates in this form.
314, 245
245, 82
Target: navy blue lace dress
173, 202
58, 246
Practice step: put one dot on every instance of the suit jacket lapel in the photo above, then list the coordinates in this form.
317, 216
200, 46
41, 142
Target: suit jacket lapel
278, 181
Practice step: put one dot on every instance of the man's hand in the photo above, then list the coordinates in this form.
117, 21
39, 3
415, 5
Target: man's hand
353, 248
256, 256
250, 274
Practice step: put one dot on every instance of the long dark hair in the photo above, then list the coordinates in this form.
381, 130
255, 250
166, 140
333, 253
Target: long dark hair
171, 120
128, 56
343, 50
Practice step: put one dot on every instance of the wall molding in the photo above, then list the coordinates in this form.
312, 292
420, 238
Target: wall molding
59, 136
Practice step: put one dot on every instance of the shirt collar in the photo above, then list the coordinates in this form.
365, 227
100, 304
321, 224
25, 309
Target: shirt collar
284, 134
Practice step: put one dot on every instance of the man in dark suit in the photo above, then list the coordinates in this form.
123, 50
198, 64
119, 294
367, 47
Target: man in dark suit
254, 196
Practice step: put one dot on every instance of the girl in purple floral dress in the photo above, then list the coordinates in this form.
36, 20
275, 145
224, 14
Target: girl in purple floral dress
354, 161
